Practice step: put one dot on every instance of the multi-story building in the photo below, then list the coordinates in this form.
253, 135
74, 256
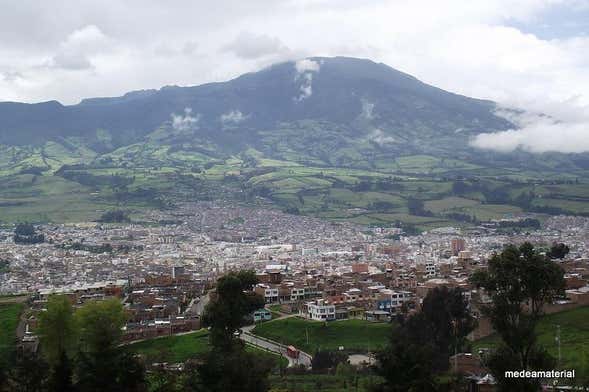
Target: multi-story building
457, 245
392, 300
319, 310
270, 293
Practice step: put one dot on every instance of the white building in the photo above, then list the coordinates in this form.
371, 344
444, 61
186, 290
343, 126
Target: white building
319, 310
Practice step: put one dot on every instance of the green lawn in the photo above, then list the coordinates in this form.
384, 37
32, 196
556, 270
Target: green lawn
353, 335
179, 348
9, 314
574, 333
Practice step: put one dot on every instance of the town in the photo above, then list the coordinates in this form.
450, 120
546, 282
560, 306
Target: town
313, 269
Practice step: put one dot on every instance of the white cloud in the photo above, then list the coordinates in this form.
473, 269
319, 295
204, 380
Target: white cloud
167, 49
250, 46
379, 137
233, 117
539, 133
75, 51
304, 75
307, 65
185, 122
367, 109
471, 48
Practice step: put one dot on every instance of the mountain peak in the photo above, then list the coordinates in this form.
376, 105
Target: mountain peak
354, 98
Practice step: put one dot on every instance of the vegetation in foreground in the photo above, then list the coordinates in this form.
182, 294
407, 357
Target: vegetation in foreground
574, 337
9, 315
520, 281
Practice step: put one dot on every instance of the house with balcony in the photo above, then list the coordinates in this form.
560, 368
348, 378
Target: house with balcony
318, 310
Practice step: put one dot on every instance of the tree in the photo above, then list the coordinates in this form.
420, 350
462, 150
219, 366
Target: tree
324, 360
234, 301
57, 335
115, 216
102, 364
345, 372
446, 322
25, 229
57, 329
101, 325
558, 251
228, 367
162, 380
25, 233
520, 281
60, 378
417, 207
404, 366
235, 370
460, 187
420, 346
28, 375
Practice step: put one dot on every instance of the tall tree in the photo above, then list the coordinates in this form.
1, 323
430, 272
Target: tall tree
234, 300
420, 346
228, 367
446, 323
520, 282
102, 364
60, 378
57, 335
404, 365
57, 328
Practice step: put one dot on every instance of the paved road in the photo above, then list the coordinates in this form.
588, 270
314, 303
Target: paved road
275, 347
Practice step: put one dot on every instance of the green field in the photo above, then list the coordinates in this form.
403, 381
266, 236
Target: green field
450, 203
179, 348
353, 335
9, 314
574, 333
176, 348
34, 186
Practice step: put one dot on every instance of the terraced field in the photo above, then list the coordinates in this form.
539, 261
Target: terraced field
68, 182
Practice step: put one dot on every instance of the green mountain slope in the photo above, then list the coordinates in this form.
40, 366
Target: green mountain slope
337, 137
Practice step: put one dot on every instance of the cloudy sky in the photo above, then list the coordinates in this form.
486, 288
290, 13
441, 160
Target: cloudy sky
532, 54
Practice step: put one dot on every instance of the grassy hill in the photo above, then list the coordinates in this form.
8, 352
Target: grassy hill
574, 334
179, 348
353, 335
371, 197
359, 148
173, 349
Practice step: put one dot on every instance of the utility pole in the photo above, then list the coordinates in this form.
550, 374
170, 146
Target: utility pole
558, 342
